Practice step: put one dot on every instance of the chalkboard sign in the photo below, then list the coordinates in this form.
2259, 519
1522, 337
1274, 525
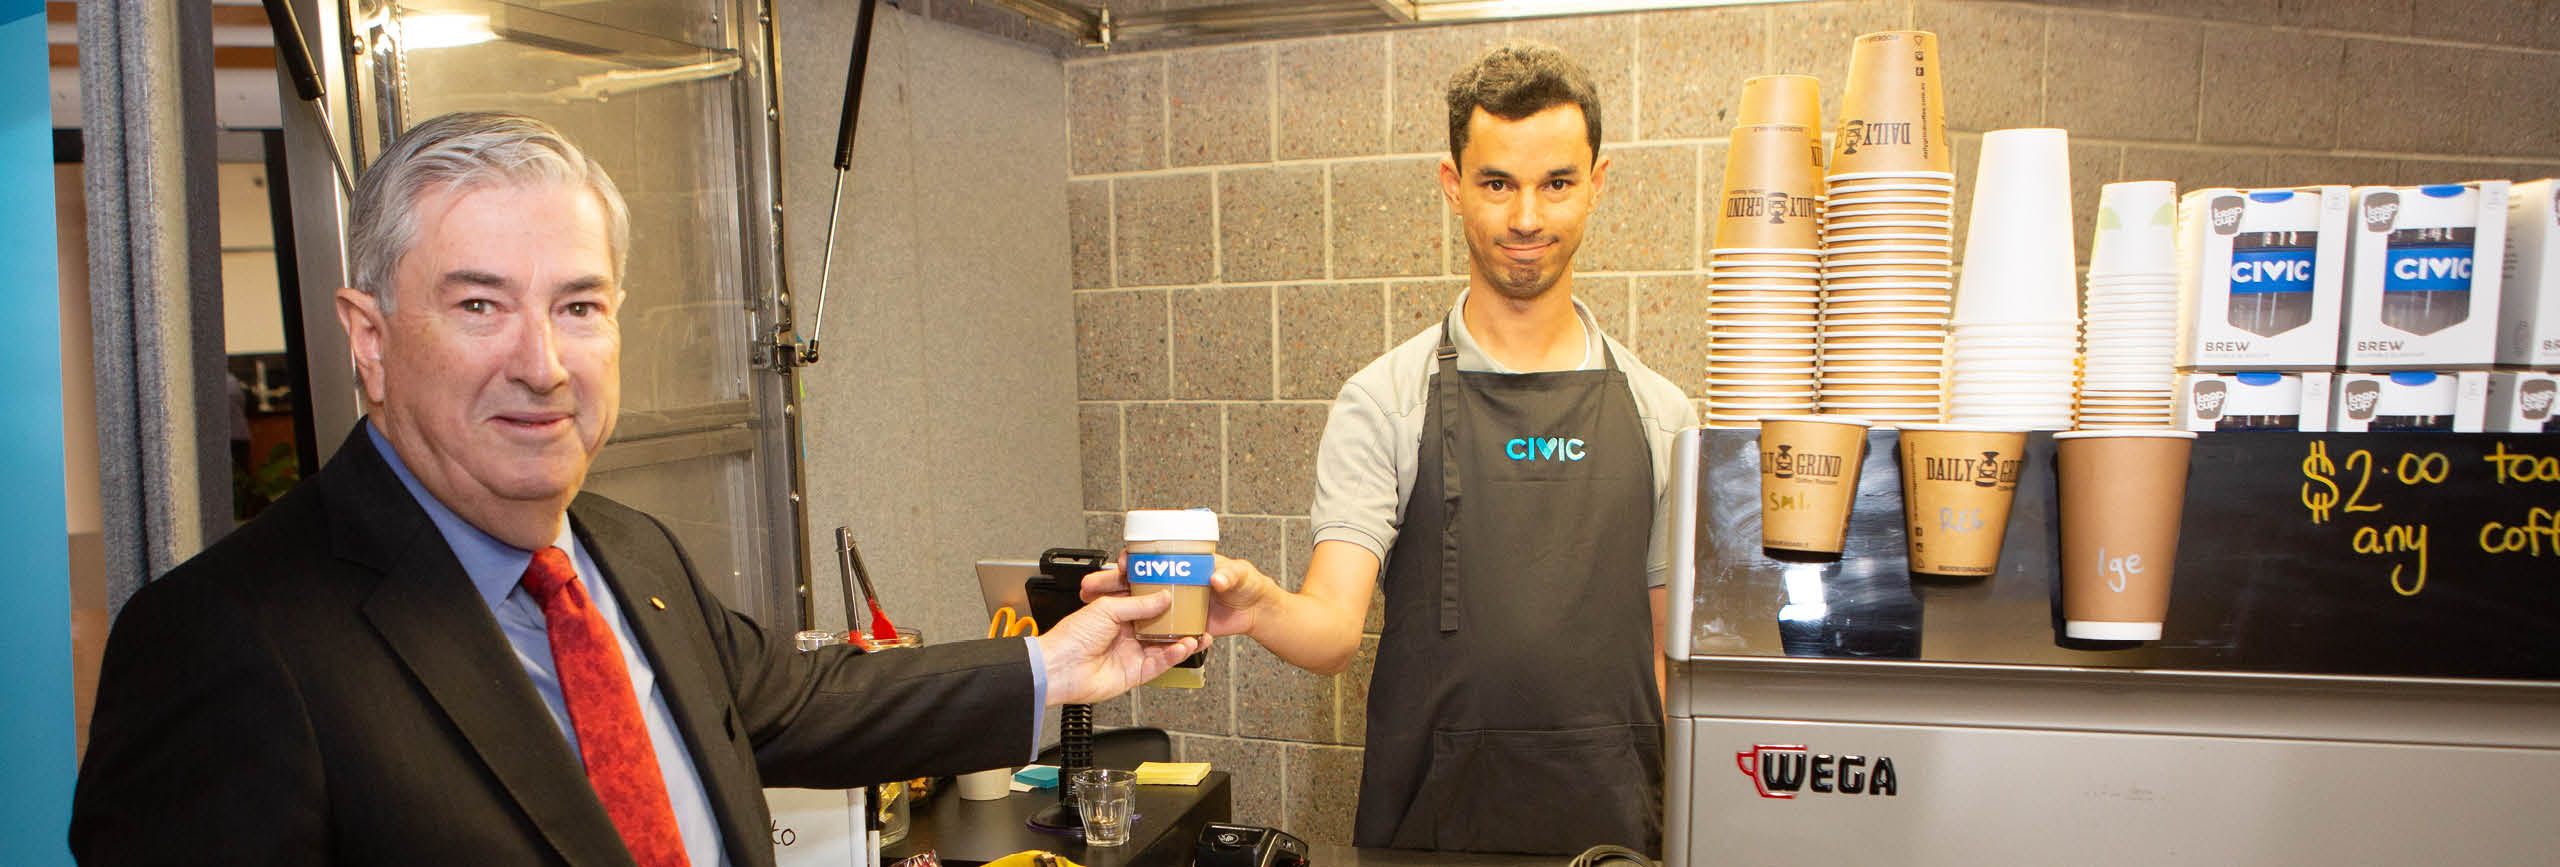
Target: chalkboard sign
2405, 554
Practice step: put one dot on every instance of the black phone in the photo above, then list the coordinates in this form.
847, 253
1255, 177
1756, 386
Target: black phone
1224, 845
1053, 592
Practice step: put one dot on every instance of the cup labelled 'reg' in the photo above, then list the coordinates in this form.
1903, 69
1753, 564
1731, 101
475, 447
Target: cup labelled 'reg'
1957, 484
1808, 479
2122, 495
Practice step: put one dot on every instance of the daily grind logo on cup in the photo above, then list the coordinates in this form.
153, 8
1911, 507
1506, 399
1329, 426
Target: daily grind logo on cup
1988, 471
1773, 204
1854, 133
2362, 396
1779, 771
2209, 395
1788, 463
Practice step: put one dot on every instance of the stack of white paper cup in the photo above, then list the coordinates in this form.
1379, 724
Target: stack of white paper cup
1888, 236
1764, 282
2130, 321
2016, 331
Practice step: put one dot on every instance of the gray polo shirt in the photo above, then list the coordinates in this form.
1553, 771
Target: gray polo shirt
1373, 441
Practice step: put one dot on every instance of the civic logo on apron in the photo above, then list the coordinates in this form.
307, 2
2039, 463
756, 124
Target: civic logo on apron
1781, 770
1543, 449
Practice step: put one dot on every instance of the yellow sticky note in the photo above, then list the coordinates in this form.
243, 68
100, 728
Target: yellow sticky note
1172, 773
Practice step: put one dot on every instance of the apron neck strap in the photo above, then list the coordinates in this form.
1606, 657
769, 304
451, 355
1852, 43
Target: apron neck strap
1447, 354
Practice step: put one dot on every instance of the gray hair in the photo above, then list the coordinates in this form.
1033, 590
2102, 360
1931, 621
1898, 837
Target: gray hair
457, 152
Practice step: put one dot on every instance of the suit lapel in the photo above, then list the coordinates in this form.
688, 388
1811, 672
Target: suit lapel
646, 570
427, 611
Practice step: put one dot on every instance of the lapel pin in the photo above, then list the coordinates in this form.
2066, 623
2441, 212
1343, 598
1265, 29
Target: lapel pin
660, 604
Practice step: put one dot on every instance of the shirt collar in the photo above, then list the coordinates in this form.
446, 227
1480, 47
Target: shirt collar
494, 566
1473, 357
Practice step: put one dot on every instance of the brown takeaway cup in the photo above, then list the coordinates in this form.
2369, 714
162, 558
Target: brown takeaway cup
2122, 493
1787, 99
1957, 484
1770, 187
1893, 113
1808, 479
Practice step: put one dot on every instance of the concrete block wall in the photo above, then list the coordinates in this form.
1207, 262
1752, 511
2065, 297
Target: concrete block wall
1252, 222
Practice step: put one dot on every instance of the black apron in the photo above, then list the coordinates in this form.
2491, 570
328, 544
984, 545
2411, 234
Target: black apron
1514, 707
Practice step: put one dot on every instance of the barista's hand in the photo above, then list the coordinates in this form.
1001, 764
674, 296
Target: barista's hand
1238, 591
1095, 654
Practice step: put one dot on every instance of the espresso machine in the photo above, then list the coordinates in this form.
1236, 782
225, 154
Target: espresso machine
2299, 708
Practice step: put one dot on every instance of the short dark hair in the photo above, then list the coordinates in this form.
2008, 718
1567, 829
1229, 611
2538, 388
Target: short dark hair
1518, 79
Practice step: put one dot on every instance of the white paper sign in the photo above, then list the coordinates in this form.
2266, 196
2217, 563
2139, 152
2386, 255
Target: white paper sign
815, 827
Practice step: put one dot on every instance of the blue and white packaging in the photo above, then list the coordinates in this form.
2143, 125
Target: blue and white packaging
2255, 400
2424, 267
2261, 277
2410, 400
2522, 401
2529, 287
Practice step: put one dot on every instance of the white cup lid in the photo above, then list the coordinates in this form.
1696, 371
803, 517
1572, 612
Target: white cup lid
1170, 525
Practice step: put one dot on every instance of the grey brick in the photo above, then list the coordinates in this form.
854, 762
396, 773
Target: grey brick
2240, 107
1385, 214
1208, 710
1277, 700
1989, 53
2094, 62
1271, 223
1253, 769
1098, 436
1163, 230
1115, 114
1692, 66
1647, 215
1331, 104
1120, 346
1089, 233
1173, 455
1324, 784
1814, 39
1671, 328
1604, 46
1271, 456
1222, 343
1221, 105
1425, 58
1327, 333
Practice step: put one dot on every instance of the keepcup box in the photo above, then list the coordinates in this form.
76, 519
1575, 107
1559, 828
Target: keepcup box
2529, 285
2255, 400
2521, 401
2261, 277
2410, 400
2423, 274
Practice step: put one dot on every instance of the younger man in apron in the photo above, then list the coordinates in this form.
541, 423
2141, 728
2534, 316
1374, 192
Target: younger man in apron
1501, 475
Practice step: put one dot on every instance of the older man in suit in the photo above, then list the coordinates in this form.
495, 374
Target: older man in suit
437, 651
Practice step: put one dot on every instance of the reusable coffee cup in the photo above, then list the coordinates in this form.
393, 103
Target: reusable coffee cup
1957, 484
2122, 494
987, 785
1174, 551
1808, 479
1781, 99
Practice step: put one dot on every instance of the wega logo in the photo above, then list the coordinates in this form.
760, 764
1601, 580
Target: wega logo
1781, 770
2224, 214
2209, 394
2362, 396
2380, 209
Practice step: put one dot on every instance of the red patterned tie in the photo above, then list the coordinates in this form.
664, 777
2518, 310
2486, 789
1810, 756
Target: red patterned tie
612, 740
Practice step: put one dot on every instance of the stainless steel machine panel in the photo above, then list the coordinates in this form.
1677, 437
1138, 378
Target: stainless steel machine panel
1972, 796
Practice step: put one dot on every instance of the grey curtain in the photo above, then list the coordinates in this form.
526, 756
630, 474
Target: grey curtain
146, 83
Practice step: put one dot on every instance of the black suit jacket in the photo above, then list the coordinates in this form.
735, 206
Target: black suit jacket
325, 686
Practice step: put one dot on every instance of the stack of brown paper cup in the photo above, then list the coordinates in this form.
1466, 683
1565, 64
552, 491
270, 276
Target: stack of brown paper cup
1764, 279
1957, 483
1888, 236
2122, 495
1808, 480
